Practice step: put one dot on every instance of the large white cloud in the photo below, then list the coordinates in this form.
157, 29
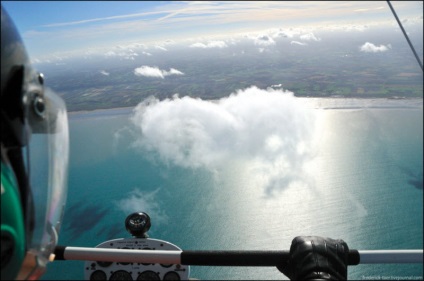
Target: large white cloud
211, 44
371, 48
269, 131
155, 72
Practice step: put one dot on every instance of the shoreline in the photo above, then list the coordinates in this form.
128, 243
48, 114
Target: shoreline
100, 109
315, 98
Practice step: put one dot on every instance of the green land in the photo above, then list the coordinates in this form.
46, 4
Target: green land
338, 75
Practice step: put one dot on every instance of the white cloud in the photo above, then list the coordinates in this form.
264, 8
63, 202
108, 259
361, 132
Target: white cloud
172, 71
122, 52
298, 43
137, 46
264, 40
146, 53
161, 48
198, 45
284, 33
105, 73
155, 72
368, 9
269, 131
216, 44
169, 42
110, 54
371, 48
211, 44
148, 202
36, 60
356, 27
148, 71
309, 37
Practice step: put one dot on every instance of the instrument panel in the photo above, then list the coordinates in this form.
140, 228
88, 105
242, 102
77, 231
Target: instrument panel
99, 270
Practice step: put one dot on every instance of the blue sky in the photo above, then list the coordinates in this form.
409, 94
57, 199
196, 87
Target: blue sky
54, 27
31, 14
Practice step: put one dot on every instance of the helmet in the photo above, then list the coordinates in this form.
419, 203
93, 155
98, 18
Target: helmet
34, 161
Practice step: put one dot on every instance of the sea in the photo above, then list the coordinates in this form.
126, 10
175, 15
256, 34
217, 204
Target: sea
354, 171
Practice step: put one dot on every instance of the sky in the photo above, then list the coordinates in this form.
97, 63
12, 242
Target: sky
59, 27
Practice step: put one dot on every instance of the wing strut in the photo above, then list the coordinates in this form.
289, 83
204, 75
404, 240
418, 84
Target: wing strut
406, 35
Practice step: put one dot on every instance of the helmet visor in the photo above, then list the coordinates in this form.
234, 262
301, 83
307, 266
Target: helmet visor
47, 163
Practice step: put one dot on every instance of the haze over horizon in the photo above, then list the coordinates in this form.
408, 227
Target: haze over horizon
53, 31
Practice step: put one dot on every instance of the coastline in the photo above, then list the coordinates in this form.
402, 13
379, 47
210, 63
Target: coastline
368, 102
101, 112
115, 111
100, 109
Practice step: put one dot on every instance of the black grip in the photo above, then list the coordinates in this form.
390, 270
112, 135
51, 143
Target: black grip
354, 257
233, 258
59, 253
245, 258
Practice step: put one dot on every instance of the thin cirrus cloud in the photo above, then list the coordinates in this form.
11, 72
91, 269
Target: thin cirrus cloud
242, 10
155, 72
127, 16
371, 48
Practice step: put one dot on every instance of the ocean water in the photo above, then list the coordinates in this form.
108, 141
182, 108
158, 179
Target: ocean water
363, 182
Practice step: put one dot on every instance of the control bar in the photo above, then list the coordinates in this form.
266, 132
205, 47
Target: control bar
224, 258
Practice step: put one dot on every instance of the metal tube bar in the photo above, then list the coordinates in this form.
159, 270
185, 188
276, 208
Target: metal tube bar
122, 255
391, 256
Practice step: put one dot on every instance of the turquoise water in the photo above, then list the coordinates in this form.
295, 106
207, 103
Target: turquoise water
363, 183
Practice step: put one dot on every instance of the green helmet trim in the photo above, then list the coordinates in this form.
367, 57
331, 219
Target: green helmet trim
12, 226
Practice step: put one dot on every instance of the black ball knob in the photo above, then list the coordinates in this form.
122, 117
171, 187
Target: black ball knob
137, 224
